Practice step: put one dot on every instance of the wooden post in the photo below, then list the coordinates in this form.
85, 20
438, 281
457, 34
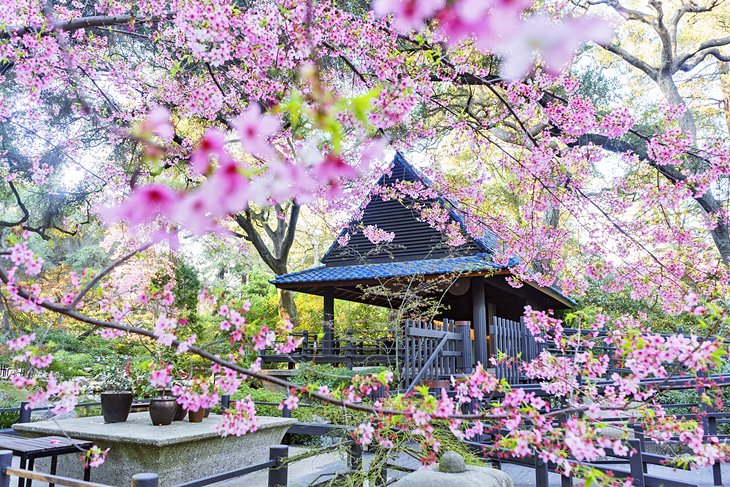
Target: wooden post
466, 361
328, 321
636, 463
710, 425
278, 474
285, 412
354, 457
145, 480
305, 346
541, 473
717, 466
479, 318
639, 434
6, 461
24, 412
349, 350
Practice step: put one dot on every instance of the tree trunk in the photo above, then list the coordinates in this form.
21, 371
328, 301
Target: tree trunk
287, 306
671, 93
282, 237
724, 69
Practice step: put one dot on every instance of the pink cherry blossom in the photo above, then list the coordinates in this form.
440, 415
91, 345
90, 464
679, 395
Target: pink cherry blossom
255, 129
145, 204
407, 14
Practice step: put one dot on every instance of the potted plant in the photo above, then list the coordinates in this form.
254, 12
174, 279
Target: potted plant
116, 398
180, 412
162, 410
196, 416
202, 389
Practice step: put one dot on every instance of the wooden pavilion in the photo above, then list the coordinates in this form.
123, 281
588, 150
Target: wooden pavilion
469, 285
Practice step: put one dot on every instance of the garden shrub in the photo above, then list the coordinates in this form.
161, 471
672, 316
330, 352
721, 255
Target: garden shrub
328, 375
69, 365
304, 414
9, 418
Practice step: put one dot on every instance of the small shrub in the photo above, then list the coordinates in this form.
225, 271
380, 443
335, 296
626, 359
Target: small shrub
327, 375
304, 413
8, 418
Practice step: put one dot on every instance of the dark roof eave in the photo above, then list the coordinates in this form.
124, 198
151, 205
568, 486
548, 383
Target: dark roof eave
356, 282
554, 293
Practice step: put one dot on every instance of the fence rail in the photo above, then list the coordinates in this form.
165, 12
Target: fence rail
351, 348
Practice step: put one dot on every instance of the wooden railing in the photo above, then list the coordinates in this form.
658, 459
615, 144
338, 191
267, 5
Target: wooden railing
7, 472
351, 348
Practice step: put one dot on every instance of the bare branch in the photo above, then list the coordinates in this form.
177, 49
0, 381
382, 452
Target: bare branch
685, 62
649, 70
625, 12
22, 206
660, 27
82, 23
105, 272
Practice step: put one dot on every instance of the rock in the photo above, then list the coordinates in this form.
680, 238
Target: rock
451, 462
472, 477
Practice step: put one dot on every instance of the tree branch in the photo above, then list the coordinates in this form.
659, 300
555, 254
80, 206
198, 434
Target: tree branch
22, 206
82, 23
649, 70
105, 272
244, 221
705, 49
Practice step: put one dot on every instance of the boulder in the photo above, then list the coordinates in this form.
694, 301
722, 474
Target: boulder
451, 462
453, 472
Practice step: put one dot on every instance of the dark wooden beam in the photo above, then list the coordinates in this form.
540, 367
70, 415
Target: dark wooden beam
328, 320
479, 318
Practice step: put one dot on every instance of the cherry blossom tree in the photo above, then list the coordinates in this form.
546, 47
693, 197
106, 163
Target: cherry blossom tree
220, 110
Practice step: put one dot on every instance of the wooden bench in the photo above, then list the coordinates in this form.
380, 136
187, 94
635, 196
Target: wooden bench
28, 449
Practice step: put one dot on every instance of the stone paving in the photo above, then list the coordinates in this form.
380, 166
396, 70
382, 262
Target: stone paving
302, 474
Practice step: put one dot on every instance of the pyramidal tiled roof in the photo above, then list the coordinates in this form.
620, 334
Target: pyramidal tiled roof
414, 238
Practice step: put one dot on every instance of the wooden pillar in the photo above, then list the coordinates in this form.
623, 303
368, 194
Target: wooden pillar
479, 318
491, 313
328, 321
466, 362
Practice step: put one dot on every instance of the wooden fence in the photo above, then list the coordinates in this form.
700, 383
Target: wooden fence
434, 351
513, 339
415, 350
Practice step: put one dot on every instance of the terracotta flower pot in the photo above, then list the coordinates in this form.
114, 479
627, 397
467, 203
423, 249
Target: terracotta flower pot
116, 405
162, 410
180, 412
196, 416
207, 412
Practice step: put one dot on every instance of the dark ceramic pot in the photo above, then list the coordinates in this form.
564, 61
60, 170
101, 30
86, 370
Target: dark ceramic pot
116, 405
207, 412
162, 410
180, 412
196, 416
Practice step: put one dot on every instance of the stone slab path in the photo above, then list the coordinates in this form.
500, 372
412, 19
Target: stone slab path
304, 472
